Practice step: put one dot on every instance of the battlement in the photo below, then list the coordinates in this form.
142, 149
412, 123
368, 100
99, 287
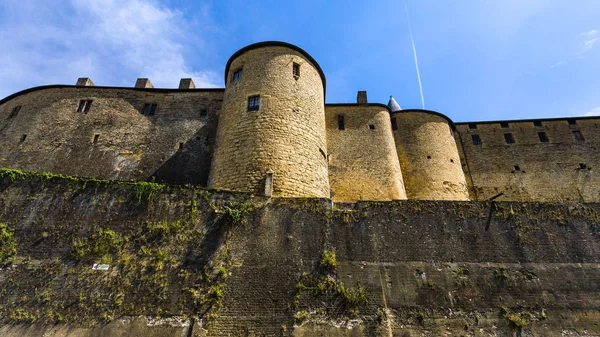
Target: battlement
270, 130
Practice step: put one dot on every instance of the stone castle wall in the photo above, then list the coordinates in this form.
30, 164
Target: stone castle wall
428, 156
287, 133
562, 169
49, 135
363, 164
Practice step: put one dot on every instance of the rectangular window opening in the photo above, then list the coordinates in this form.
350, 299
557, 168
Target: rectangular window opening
14, 112
81, 105
476, 139
237, 75
296, 70
472, 126
543, 137
23, 137
508, 137
341, 125
582, 166
203, 113
578, 136
537, 123
179, 146
394, 124
96, 138
517, 168
504, 125
88, 106
372, 127
149, 109
253, 103
572, 121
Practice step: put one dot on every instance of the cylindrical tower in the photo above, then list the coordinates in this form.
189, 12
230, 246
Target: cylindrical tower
428, 156
272, 124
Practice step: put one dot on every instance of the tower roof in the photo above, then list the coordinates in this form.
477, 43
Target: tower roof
393, 105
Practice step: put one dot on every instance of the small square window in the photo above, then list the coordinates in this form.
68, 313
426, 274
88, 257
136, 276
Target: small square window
508, 137
84, 105
572, 121
372, 127
341, 125
582, 166
394, 124
476, 139
23, 137
237, 75
203, 113
517, 168
149, 109
179, 146
578, 136
14, 112
472, 126
504, 125
537, 123
253, 103
296, 70
543, 137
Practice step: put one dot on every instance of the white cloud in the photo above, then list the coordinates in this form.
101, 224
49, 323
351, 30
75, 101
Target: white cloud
112, 42
558, 64
594, 112
589, 34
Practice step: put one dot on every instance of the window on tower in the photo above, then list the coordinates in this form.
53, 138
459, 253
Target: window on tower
253, 103
296, 70
237, 75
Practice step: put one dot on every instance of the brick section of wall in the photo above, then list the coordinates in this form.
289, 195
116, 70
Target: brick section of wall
429, 157
286, 135
363, 164
130, 146
562, 169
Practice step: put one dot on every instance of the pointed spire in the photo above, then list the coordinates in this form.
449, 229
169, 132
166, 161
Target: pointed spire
393, 105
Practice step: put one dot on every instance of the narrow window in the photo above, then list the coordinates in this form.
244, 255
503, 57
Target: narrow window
504, 125
203, 113
237, 75
578, 136
508, 137
296, 70
323, 153
517, 168
23, 137
88, 106
253, 103
341, 122
149, 109
96, 137
572, 121
14, 112
81, 105
394, 124
372, 127
153, 109
543, 137
537, 123
179, 146
472, 126
476, 139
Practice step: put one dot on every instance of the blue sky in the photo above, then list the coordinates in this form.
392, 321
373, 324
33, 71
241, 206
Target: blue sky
478, 59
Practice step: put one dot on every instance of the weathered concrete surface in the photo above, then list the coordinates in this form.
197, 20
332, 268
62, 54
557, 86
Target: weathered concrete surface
426, 268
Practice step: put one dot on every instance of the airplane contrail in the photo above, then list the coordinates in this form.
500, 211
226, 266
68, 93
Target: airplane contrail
412, 40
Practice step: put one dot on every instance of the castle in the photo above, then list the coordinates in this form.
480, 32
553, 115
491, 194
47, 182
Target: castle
269, 132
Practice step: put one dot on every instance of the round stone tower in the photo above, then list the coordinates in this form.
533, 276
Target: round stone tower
428, 155
271, 133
